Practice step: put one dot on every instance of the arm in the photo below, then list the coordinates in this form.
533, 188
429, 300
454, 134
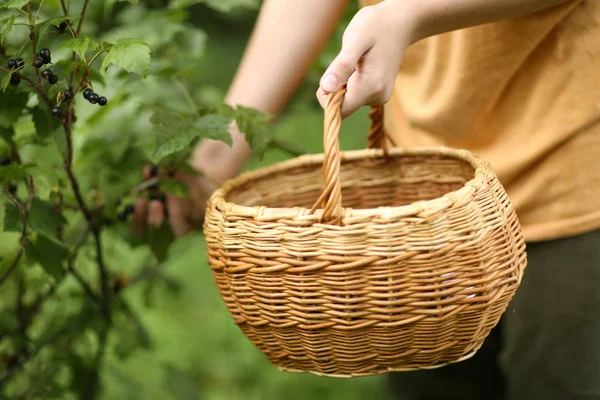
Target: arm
377, 37
287, 38
443, 16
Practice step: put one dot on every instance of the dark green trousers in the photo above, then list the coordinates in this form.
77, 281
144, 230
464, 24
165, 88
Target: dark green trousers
547, 345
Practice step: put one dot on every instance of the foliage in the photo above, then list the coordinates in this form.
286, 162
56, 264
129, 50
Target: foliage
87, 310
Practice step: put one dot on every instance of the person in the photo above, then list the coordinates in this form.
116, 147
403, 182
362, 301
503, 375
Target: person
515, 81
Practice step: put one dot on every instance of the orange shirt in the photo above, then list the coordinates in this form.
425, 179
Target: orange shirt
523, 94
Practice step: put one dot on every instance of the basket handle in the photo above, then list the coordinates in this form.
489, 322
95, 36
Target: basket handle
331, 197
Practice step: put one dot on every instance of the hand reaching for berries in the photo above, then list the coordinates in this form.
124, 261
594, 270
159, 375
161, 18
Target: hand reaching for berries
217, 162
182, 214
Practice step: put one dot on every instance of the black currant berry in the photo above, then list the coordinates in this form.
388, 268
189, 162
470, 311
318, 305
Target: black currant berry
47, 73
20, 63
12, 188
102, 101
15, 78
4, 161
153, 170
129, 208
158, 197
45, 53
53, 79
12, 64
122, 216
87, 93
94, 98
68, 94
56, 112
37, 63
62, 27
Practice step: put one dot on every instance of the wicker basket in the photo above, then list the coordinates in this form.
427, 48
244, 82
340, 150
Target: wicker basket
412, 269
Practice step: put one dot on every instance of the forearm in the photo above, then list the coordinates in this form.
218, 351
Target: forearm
440, 16
287, 38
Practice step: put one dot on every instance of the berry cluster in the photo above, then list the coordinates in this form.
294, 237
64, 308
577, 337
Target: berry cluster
16, 64
94, 98
127, 211
48, 75
42, 58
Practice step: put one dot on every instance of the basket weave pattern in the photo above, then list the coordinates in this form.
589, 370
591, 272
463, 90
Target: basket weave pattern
412, 269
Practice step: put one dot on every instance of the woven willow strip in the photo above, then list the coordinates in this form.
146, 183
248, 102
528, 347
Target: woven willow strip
364, 262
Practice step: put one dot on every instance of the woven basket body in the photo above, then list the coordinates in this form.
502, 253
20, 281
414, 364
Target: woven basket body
393, 259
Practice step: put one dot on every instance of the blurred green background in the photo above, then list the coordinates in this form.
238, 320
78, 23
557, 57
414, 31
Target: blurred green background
197, 352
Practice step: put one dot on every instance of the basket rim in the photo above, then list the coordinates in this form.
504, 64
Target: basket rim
481, 178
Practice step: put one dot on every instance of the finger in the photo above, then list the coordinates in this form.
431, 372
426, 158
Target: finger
139, 218
156, 214
357, 92
322, 97
356, 42
147, 172
177, 216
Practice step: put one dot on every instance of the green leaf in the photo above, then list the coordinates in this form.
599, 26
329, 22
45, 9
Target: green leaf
6, 28
214, 127
49, 254
131, 332
7, 134
11, 108
80, 46
175, 188
5, 81
14, 3
159, 240
41, 26
44, 123
256, 127
175, 131
44, 219
129, 1
172, 131
13, 172
133, 55
12, 218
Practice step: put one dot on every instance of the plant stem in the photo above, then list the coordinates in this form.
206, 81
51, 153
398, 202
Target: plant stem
186, 94
71, 268
31, 28
92, 225
80, 24
91, 390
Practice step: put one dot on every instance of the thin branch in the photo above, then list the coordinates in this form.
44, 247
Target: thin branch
186, 94
71, 268
31, 28
92, 225
80, 24
91, 389
65, 9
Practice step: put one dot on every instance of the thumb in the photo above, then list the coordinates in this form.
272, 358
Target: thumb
354, 45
